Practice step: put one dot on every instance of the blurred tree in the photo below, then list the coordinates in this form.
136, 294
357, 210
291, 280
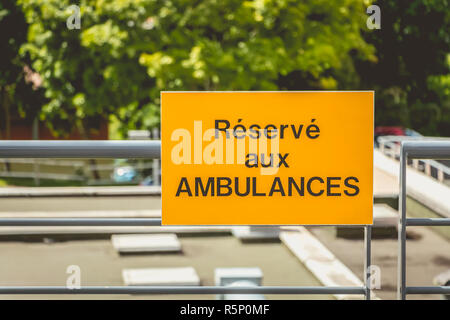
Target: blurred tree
87, 74
412, 73
127, 51
17, 95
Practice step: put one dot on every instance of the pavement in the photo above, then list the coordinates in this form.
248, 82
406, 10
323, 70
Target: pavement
45, 263
427, 255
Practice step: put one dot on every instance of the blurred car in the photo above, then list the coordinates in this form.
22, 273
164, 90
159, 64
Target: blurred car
412, 133
389, 131
123, 172
148, 181
393, 131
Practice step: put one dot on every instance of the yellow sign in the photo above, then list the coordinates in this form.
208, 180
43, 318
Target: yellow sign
267, 158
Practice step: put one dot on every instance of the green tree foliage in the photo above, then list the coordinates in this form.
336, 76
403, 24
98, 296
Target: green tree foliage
87, 74
412, 73
127, 51
17, 97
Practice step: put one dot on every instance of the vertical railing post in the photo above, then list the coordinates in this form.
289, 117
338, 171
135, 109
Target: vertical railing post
401, 262
381, 144
367, 259
35, 134
156, 162
427, 168
440, 175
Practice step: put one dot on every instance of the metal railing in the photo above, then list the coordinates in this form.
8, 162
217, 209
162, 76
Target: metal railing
83, 172
131, 150
391, 145
438, 149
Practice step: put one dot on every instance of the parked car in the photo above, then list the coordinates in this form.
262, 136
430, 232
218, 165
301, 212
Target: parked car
124, 172
148, 181
393, 131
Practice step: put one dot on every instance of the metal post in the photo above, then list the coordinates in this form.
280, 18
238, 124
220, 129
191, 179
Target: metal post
401, 262
367, 259
35, 136
427, 168
440, 175
155, 165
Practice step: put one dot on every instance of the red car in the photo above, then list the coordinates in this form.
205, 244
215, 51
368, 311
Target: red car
394, 131
390, 131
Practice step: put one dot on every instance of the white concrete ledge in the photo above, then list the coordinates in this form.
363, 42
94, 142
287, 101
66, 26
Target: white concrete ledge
6, 192
186, 276
146, 243
256, 232
426, 190
329, 270
384, 216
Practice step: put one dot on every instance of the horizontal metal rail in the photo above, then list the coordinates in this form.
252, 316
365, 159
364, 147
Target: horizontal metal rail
78, 222
428, 290
427, 149
425, 222
91, 222
114, 149
45, 162
390, 146
181, 290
